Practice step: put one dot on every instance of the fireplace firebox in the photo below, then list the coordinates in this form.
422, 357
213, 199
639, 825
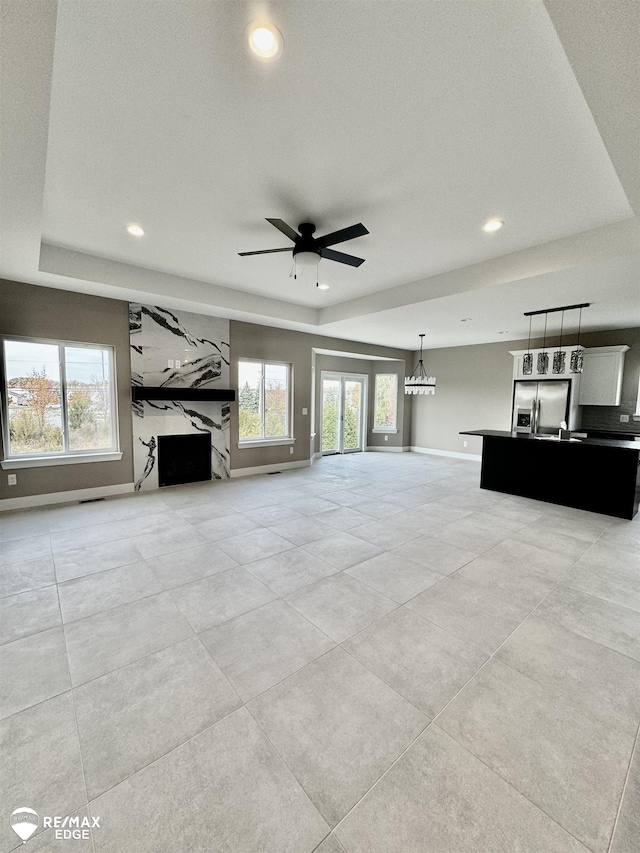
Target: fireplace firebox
184, 458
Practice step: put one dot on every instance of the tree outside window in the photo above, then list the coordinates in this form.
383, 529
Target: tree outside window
386, 401
60, 398
263, 400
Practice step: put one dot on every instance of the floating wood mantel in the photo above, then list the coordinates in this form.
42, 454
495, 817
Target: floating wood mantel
218, 395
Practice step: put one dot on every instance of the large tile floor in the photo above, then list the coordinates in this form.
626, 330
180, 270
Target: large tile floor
371, 655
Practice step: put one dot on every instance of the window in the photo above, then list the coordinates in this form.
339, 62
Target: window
263, 401
59, 399
386, 402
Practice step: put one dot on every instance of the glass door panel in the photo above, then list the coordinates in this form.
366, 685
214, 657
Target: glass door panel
343, 406
352, 417
331, 405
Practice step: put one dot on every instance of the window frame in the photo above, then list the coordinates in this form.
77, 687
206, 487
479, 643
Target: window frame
65, 456
387, 429
271, 441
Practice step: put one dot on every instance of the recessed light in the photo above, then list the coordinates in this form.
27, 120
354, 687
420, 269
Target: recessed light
466, 320
323, 287
264, 39
492, 225
135, 230
504, 333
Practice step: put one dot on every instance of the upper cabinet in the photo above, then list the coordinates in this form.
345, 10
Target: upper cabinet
601, 380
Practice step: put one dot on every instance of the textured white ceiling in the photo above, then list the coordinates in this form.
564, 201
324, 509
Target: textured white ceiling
420, 119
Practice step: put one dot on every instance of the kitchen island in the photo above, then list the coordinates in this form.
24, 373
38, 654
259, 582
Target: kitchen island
598, 475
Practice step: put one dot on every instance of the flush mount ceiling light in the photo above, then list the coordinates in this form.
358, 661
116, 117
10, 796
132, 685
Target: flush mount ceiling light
135, 230
492, 225
323, 286
419, 382
264, 39
466, 320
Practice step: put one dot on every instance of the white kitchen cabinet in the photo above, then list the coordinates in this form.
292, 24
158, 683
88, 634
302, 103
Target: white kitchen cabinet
601, 380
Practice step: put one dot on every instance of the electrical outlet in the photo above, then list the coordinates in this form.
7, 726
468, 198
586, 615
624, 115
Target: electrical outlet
304, 411
624, 419
386, 438
291, 450
177, 365
12, 479
170, 363
464, 443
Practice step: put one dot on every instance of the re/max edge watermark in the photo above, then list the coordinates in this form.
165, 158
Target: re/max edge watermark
25, 822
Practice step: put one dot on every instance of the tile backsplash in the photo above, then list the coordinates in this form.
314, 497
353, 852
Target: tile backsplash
607, 418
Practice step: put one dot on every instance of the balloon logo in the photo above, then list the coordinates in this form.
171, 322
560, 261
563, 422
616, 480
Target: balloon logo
24, 823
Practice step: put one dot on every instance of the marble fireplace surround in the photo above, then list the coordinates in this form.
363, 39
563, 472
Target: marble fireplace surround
199, 349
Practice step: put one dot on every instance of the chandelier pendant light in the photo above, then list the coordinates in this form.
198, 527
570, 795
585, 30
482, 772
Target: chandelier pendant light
559, 355
419, 382
543, 357
576, 361
527, 358
577, 358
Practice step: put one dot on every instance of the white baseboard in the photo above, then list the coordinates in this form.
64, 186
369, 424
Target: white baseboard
65, 497
377, 449
473, 457
268, 469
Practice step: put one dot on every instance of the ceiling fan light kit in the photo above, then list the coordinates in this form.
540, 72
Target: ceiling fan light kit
308, 250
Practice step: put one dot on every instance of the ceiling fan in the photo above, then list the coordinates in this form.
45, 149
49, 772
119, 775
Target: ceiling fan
308, 250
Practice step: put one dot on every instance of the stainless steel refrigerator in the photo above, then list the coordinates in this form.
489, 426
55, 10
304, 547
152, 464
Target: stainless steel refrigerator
546, 400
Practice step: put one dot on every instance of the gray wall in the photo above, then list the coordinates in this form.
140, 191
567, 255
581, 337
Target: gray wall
42, 312
474, 390
264, 342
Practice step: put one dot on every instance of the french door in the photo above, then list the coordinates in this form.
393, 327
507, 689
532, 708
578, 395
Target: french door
342, 413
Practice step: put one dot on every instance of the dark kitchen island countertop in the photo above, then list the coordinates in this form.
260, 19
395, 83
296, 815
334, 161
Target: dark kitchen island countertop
595, 474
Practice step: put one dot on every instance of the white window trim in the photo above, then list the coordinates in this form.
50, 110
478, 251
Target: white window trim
276, 440
107, 454
391, 429
265, 442
17, 462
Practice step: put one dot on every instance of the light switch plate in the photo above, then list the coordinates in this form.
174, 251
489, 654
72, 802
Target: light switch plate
170, 363
624, 419
304, 411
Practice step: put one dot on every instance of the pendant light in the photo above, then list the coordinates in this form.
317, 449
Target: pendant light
559, 355
577, 358
419, 382
543, 357
527, 358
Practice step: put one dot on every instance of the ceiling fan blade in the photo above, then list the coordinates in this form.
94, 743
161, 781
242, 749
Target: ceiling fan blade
287, 230
265, 251
332, 255
344, 234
